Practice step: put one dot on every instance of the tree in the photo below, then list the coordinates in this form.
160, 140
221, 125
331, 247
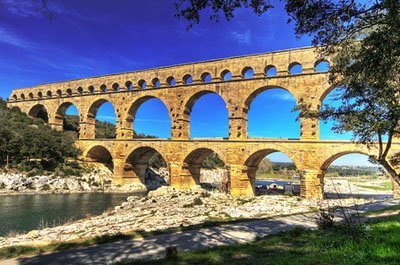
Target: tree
363, 40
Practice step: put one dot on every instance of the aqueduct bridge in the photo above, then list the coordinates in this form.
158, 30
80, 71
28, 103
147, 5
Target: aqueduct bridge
237, 80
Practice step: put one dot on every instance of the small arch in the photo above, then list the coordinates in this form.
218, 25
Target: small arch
247, 72
171, 81
69, 92
103, 88
31, 95
23, 96
226, 75
146, 163
39, 111
322, 66
129, 85
142, 84
206, 77
49, 94
100, 154
108, 132
40, 94
187, 79
91, 89
70, 121
156, 82
59, 93
295, 68
270, 70
15, 97
115, 87
80, 90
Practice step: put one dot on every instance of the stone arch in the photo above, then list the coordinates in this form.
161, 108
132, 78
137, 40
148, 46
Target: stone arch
321, 62
248, 72
49, 94
156, 82
138, 163
132, 111
191, 101
80, 90
171, 81
115, 87
253, 94
39, 111
192, 164
61, 113
324, 94
226, 75
295, 68
129, 85
206, 77
328, 161
270, 70
90, 118
22, 96
187, 79
99, 154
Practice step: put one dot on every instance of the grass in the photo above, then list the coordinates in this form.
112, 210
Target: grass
386, 186
380, 245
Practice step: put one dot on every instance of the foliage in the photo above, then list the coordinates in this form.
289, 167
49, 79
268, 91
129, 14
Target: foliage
25, 141
212, 162
190, 9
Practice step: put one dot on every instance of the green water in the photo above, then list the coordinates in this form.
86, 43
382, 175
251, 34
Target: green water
23, 213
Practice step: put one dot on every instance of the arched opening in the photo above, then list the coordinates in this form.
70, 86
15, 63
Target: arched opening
355, 175
68, 116
49, 94
295, 68
204, 167
40, 95
206, 77
150, 118
115, 87
271, 115
248, 72
31, 95
80, 90
91, 89
273, 173
15, 97
69, 92
23, 96
332, 99
129, 85
156, 82
102, 116
226, 75
322, 66
149, 166
171, 81
100, 155
59, 93
270, 70
142, 84
187, 79
103, 88
39, 111
207, 122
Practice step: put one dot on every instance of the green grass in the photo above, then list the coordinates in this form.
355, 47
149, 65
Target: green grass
386, 186
380, 245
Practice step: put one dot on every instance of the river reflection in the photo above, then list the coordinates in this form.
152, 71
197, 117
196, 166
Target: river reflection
23, 213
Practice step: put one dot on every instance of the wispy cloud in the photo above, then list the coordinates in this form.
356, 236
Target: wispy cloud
10, 38
242, 37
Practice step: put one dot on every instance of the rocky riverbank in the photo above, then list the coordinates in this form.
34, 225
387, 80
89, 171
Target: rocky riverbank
168, 208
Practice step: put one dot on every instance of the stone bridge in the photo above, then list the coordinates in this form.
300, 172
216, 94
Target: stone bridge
236, 80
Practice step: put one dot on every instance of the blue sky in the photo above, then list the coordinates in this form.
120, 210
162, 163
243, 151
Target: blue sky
92, 37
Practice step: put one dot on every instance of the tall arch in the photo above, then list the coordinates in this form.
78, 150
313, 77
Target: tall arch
204, 121
270, 114
100, 154
143, 163
73, 122
91, 123
148, 115
39, 111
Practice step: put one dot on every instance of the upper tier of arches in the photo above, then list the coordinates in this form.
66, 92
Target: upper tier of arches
164, 79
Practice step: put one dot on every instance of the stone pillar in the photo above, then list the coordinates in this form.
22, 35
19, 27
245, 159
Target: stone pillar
87, 129
125, 129
180, 129
237, 123
184, 176
242, 180
309, 129
312, 183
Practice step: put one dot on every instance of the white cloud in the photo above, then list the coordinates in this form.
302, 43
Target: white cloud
10, 38
242, 37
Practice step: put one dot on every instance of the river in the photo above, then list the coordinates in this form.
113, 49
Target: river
23, 213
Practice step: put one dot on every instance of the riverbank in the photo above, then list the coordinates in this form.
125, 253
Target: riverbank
168, 208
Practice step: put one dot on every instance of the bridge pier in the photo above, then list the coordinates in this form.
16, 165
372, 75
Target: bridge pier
312, 184
184, 176
242, 180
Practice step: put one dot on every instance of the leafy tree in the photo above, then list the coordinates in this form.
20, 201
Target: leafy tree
363, 40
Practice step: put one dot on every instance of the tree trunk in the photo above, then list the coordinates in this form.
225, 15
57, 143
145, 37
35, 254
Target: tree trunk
390, 170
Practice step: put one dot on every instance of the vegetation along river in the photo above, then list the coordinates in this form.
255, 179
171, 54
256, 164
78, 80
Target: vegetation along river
23, 213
